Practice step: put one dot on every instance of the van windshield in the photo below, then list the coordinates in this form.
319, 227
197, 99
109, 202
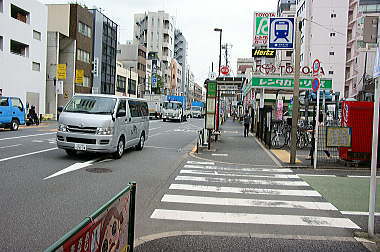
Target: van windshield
172, 105
91, 105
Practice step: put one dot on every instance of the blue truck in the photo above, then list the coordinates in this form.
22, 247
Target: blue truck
174, 108
197, 109
12, 112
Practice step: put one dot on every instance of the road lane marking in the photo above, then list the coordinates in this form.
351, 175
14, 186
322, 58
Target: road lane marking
74, 167
200, 163
10, 146
9, 138
316, 175
357, 176
37, 141
245, 218
207, 167
155, 128
220, 154
27, 154
217, 173
247, 202
159, 147
242, 181
356, 213
242, 190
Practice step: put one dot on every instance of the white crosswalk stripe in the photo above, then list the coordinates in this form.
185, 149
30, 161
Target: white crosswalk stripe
263, 195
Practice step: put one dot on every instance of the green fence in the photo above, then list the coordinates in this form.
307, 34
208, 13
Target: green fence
112, 225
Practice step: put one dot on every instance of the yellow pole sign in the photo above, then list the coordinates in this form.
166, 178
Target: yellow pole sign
61, 72
79, 74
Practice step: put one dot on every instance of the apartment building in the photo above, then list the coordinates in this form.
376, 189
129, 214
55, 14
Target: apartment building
363, 21
155, 30
134, 55
104, 53
324, 37
23, 41
125, 76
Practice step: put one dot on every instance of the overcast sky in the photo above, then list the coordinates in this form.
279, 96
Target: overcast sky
197, 20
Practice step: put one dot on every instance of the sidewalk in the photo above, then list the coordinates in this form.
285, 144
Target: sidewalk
233, 147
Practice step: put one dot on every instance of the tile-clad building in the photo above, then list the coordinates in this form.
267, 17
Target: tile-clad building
105, 45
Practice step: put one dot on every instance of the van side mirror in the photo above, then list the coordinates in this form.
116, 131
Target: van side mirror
60, 109
121, 113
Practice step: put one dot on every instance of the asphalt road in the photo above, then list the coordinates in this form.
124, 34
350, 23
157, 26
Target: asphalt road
36, 209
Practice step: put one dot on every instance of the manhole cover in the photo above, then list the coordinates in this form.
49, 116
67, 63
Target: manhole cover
99, 170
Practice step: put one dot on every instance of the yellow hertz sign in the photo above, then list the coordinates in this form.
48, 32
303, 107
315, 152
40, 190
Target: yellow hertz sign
267, 53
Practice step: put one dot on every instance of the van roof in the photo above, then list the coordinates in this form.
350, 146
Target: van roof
110, 96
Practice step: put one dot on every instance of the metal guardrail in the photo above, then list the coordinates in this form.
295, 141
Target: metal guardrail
88, 235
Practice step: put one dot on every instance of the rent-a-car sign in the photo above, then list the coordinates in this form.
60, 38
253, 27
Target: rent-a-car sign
261, 27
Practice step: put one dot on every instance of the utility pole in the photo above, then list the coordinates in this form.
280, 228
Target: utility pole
296, 92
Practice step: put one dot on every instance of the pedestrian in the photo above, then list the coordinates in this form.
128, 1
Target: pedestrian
247, 121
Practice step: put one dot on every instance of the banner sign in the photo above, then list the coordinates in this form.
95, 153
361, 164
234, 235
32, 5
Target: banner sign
279, 82
108, 229
59, 87
79, 74
267, 53
211, 89
261, 27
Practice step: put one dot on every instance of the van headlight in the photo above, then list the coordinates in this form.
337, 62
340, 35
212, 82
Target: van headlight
62, 127
104, 131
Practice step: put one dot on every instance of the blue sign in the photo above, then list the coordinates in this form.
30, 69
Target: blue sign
154, 81
281, 33
315, 84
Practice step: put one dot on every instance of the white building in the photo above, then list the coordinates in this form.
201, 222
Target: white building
155, 30
324, 37
360, 55
23, 36
125, 76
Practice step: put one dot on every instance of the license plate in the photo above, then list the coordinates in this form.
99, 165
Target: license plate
80, 147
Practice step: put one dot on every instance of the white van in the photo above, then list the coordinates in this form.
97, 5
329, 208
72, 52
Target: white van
103, 123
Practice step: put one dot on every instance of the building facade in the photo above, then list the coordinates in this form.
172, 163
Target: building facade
134, 55
123, 77
180, 54
155, 30
104, 56
324, 37
23, 42
361, 53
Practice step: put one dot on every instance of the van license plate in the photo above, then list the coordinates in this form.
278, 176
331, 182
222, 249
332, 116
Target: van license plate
80, 147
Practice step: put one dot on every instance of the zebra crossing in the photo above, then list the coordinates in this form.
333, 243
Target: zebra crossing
209, 193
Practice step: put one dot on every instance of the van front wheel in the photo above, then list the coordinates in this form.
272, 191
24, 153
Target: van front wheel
14, 125
120, 149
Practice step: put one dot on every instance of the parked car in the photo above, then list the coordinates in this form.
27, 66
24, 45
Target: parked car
12, 112
103, 123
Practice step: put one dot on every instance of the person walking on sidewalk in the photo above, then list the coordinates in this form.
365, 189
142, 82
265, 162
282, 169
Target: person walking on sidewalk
247, 121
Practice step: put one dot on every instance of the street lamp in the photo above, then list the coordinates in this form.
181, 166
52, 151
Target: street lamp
220, 46
130, 79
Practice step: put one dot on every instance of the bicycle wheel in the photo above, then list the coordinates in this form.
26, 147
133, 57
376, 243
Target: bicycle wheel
278, 141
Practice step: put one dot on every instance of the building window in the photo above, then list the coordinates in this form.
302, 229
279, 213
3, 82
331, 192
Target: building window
83, 56
1, 6
332, 53
289, 53
120, 84
36, 35
332, 34
84, 29
333, 15
19, 14
331, 72
86, 81
1, 43
19, 48
36, 66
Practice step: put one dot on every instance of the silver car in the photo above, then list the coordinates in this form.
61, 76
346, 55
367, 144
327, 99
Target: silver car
103, 123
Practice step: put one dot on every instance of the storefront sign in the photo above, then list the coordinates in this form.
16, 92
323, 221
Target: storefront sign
263, 53
59, 87
278, 82
261, 27
211, 89
271, 69
338, 137
228, 88
79, 74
